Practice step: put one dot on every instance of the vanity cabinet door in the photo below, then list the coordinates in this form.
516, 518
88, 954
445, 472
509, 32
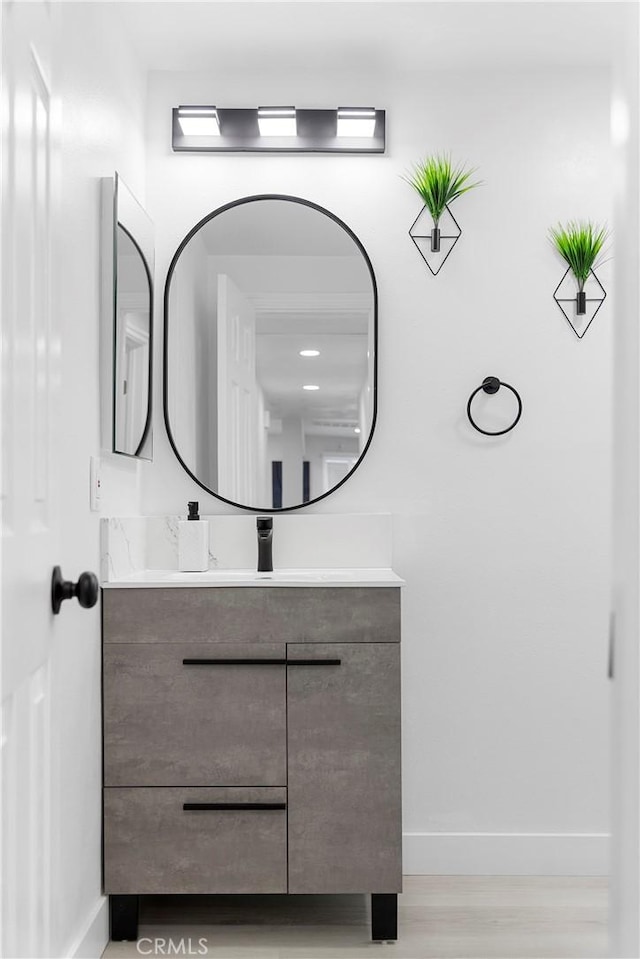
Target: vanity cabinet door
344, 798
194, 714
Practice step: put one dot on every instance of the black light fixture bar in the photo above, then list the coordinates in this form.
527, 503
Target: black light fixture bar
317, 132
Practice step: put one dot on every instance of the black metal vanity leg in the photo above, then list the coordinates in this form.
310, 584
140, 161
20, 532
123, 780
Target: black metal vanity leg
384, 916
124, 918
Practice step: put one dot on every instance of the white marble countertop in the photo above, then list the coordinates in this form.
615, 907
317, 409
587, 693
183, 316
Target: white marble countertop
155, 578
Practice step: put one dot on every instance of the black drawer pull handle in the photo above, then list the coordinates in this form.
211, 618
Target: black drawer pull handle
196, 806
234, 662
261, 662
314, 662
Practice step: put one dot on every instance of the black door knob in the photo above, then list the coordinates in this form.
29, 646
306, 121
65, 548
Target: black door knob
86, 589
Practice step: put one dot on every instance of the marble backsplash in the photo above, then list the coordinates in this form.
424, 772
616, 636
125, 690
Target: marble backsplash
122, 546
313, 541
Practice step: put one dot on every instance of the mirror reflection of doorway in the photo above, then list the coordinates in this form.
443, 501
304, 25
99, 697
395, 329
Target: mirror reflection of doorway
312, 374
132, 377
133, 337
335, 467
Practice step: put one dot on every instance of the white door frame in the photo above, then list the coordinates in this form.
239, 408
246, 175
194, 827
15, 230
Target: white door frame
625, 726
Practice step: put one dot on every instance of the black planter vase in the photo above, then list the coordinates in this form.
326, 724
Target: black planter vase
581, 303
435, 239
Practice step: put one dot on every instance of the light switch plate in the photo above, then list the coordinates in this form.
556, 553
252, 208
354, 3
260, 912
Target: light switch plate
94, 484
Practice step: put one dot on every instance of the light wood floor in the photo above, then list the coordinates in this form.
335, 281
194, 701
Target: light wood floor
440, 917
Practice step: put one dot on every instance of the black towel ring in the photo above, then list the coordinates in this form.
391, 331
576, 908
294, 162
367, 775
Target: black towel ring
491, 384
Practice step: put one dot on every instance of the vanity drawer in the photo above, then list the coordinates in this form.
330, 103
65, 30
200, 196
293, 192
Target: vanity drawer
218, 719
269, 614
153, 845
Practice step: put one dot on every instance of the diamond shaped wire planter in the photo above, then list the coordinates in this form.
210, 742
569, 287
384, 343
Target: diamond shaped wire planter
423, 240
573, 299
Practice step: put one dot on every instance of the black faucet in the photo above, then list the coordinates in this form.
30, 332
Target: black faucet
265, 541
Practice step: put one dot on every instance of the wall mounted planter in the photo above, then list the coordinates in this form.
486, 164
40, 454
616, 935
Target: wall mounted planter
579, 309
438, 183
580, 244
435, 243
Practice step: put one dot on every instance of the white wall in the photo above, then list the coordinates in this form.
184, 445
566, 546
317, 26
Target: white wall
504, 543
101, 97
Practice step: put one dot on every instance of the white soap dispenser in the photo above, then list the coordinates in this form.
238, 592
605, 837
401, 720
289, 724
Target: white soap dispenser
193, 542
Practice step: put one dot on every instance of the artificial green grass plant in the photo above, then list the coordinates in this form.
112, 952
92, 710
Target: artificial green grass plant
580, 244
439, 183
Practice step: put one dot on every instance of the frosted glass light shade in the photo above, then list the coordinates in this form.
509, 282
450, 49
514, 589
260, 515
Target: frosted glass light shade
199, 121
277, 121
356, 121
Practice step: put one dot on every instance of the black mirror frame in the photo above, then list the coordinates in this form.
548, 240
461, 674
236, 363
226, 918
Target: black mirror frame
165, 357
149, 419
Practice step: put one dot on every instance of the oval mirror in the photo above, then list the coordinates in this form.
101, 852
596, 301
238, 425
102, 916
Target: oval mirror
270, 353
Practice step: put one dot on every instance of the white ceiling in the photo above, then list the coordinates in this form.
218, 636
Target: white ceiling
383, 36
340, 371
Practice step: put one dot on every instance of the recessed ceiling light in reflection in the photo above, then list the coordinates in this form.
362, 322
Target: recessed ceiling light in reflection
309, 352
356, 429
310, 386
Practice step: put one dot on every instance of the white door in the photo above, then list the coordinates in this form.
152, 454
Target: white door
30, 507
237, 394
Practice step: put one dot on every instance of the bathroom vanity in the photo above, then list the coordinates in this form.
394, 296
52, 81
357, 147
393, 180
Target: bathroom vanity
252, 723
252, 737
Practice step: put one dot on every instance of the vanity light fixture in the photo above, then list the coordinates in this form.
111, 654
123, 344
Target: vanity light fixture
199, 121
310, 386
356, 121
277, 121
273, 129
309, 352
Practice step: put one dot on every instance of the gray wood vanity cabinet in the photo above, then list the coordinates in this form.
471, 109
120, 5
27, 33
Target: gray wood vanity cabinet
252, 744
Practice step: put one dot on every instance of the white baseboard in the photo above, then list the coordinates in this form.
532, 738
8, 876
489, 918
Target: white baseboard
93, 940
505, 854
